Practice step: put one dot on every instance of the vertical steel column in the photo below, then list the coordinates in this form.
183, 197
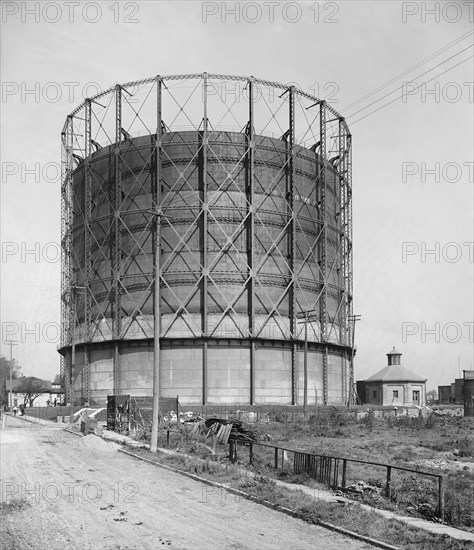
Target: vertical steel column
305, 373
343, 322
294, 385
71, 296
87, 245
204, 371
348, 237
291, 200
116, 263
251, 235
66, 250
62, 382
345, 395
157, 268
65, 233
67, 379
323, 247
325, 377
342, 220
72, 389
205, 268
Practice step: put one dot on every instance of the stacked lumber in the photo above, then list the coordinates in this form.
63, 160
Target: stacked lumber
223, 429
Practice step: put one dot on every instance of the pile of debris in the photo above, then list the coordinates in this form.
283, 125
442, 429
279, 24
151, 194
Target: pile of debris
224, 430
172, 418
362, 487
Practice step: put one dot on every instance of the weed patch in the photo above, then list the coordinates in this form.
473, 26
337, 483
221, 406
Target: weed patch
14, 505
443, 445
313, 510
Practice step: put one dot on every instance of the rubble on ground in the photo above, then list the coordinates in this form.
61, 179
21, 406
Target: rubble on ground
447, 463
362, 487
172, 418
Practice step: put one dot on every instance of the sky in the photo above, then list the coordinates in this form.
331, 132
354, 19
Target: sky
413, 170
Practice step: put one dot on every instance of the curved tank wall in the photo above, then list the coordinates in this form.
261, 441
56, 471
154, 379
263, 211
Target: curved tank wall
239, 253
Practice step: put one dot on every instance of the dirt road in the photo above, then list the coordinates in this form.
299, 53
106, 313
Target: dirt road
60, 491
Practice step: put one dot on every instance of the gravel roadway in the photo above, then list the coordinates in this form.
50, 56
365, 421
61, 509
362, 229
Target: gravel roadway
60, 491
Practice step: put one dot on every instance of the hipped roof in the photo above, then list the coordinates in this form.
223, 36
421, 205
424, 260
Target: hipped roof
395, 373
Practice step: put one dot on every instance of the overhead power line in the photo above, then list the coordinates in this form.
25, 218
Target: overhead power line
407, 71
419, 76
397, 98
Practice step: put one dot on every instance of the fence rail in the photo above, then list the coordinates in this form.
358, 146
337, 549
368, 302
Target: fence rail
328, 469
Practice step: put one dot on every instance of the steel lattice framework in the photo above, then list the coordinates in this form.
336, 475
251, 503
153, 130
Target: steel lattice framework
253, 179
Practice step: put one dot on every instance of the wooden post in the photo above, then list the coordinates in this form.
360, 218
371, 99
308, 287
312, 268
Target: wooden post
167, 438
336, 473
276, 458
251, 453
214, 443
231, 450
388, 488
344, 473
441, 498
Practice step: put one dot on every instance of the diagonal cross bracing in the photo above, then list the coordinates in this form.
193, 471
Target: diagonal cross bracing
256, 226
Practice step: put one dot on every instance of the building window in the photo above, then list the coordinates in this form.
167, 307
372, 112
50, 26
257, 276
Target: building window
374, 394
395, 394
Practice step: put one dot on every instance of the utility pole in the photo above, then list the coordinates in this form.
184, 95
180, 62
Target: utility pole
353, 319
73, 292
155, 418
11, 343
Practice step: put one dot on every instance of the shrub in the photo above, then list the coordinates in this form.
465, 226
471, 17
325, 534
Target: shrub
368, 421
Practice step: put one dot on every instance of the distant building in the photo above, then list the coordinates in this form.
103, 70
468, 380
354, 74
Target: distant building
444, 394
52, 392
468, 392
459, 392
393, 385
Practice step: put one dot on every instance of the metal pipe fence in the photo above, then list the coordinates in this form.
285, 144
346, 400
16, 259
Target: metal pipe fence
331, 471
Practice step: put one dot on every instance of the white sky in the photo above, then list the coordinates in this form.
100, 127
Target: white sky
353, 49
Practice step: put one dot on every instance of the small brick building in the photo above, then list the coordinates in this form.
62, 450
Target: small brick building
393, 385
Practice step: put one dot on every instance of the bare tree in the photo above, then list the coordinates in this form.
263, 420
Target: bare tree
431, 396
31, 388
5, 375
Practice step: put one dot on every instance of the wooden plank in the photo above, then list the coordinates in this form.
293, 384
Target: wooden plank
226, 434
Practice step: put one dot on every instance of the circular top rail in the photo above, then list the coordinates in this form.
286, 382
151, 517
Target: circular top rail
215, 76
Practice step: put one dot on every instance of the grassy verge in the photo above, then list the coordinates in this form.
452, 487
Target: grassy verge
9, 539
436, 444
309, 508
442, 445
